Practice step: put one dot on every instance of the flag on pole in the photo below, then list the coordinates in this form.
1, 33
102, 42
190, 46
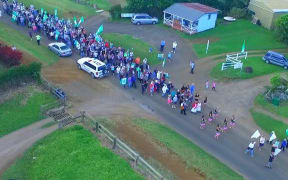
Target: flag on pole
82, 19
55, 12
256, 134
42, 11
100, 30
75, 21
273, 136
207, 47
45, 17
277, 151
164, 62
243, 46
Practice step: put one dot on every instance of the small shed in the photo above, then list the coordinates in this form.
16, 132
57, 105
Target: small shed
190, 17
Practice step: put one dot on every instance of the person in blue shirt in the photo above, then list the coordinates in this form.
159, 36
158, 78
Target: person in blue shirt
162, 45
283, 145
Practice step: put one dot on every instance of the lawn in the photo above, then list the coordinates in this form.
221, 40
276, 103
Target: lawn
66, 8
260, 68
281, 110
193, 155
229, 38
101, 4
269, 124
73, 153
23, 43
22, 109
140, 48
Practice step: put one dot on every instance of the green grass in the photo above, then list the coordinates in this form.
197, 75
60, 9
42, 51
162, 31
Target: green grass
269, 124
229, 38
73, 153
260, 68
140, 48
193, 155
22, 109
281, 110
101, 4
66, 8
23, 43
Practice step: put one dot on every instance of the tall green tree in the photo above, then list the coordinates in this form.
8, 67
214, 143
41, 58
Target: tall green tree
281, 28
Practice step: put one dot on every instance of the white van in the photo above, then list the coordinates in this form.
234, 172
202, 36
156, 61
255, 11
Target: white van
95, 67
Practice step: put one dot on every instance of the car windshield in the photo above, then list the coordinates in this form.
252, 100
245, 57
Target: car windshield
101, 68
64, 48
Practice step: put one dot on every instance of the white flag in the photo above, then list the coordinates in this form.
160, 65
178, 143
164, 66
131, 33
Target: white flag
207, 47
256, 134
277, 151
273, 136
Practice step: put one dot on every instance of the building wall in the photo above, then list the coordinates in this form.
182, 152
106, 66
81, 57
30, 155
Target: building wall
204, 23
263, 13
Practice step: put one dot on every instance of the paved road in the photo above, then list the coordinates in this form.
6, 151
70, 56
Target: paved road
14, 144
230, 148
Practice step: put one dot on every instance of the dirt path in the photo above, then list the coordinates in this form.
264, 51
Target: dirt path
15, 144
274, 116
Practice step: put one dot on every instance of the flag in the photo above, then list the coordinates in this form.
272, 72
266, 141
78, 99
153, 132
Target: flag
243, 46
75, 21
82, 20
57, 35
100, 30
273, 136
277, 151
256, 134
42, 11
45, 17
287, 132
164, 62
207, 46
55, 12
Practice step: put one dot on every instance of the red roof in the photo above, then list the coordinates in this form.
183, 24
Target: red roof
200, 7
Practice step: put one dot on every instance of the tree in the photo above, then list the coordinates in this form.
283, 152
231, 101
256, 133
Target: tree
281, 28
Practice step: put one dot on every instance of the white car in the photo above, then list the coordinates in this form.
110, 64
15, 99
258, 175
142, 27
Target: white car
95, 67
60, 49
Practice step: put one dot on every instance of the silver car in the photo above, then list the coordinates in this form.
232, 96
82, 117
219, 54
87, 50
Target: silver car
60, 49
143, 19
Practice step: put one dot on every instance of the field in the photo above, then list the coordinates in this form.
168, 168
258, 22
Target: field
281, 110
73, 153
229, 38
260, 68
194, 156
22, 109
140, 48
22, 42
66, 8
269, 124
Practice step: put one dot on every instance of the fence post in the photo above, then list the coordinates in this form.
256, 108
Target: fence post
136, 160
97, 126
114, 142
60, 124
82, 116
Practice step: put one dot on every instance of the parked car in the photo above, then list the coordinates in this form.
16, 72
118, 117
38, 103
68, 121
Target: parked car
276, 58
60, 49
95, 67
143, 19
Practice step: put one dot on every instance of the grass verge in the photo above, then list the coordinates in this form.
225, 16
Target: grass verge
73, 153
229, 37
281, 110
269, 124
22, 109
193, 155
260, 68
140, 48
23, 43
101, 4
66, 8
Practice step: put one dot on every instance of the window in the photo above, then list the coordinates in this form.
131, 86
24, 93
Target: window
209, 16
56, 47
195, 23
63, 48
90, 65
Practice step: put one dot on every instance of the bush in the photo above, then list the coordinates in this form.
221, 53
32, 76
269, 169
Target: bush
281, 28
238, 13
248, 69
10, 57
116, 11
16, 74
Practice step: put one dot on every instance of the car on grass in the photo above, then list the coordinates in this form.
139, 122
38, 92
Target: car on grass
276, 58
61, 49
143, 19
95, 67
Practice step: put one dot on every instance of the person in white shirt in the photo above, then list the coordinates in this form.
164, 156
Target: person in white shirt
250, 148
261, 142
174, 45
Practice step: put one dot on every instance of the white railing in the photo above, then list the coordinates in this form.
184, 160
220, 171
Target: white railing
234, 60
168, 22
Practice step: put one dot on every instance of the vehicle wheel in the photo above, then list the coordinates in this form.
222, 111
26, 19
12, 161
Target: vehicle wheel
153, 22
267, 61
285, 67
138, 23
92, 75
79, 67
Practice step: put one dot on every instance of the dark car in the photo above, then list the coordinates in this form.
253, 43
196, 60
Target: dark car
276, 58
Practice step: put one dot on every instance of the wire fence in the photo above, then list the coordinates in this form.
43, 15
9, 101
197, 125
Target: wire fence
97, 127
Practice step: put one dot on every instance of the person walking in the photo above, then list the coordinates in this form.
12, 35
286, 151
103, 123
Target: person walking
162, 45
202, 123
182, 108
174, 46
207, 84
283, 145
192, 67
250, 149
31, 35
213, 86
38, 38
217, 134
271, 158
261, 142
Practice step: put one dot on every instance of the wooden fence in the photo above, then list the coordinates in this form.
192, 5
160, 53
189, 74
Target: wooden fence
97, 127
